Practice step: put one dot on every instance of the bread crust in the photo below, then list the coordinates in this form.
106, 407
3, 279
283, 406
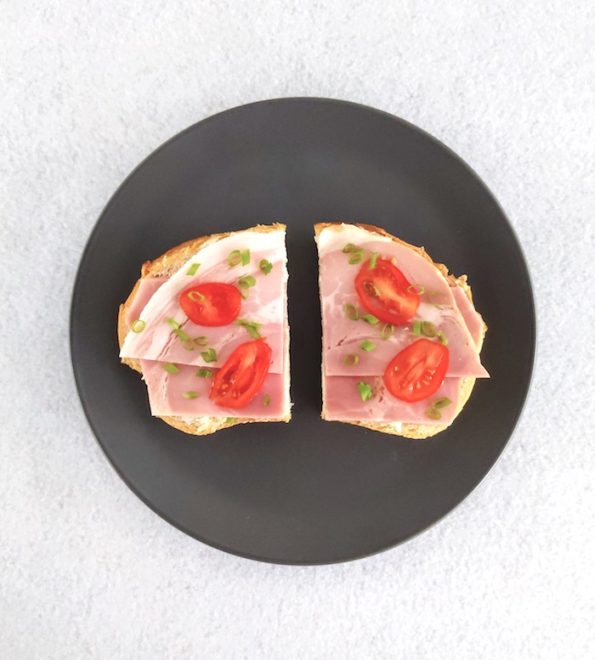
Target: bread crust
412, 431
165, 266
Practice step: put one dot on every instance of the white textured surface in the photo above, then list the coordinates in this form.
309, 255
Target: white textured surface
87, 89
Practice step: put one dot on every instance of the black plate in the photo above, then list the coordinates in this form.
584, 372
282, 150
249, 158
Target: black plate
308, 492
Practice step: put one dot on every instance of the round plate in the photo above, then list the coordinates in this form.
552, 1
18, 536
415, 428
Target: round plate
310, 491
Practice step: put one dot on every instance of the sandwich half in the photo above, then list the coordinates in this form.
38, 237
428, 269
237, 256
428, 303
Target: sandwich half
401, 338
206, 326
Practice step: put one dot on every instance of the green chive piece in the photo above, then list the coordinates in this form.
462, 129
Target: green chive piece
193, 269
246, 282
356, 257
196, 296
137, 326
203, 372
170, 367
190, 395
351, 359
349, 248
365, 391
373, 259
265, 266
210, 355
416, 328
177, 328
443, 338
351, 312
251, 327
370, 318
412, 288
387, 331
442, 403
201, 341
266, 400
367, 345
231, 420
245, 257
234, 258
433, 413
429, 329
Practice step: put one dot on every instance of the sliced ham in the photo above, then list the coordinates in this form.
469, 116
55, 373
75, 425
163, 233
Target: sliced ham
166, 394
265, 304
144, 290
473, 319
342, 335
343, 402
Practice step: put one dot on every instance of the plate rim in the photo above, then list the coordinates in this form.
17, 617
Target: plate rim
330, 101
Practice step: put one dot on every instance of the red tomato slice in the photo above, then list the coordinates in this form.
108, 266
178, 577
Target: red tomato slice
417, 371
241, 377
211, 303
386, 293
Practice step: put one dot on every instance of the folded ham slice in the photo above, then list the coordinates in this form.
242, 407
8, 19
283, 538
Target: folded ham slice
186, 394
264, 304
443, 303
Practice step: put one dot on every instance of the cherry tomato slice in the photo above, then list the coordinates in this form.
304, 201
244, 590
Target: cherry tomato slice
417, 371
211, 303
241, 377
386, 293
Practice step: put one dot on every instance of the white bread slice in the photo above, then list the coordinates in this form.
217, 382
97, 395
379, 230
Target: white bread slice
413, 431
165, 266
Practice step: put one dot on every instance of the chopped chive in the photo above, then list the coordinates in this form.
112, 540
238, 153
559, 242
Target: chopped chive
370, 318
416, 289
246, 281
231, 420
367, 345
210, 355
251, 327
365, 391
433, 413
137, 326
387, 330
170, 367
193, 269
265, 266
245, 257
428, 329
201, 341
349, 248
203, 372
177, 328
443, 338
195, 296
190, 395
234, 258
373, 259
266, 400
356, 257
351, 312
351, 359
442, 403
416, 328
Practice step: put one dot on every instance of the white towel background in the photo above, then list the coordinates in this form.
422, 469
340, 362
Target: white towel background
88, 89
